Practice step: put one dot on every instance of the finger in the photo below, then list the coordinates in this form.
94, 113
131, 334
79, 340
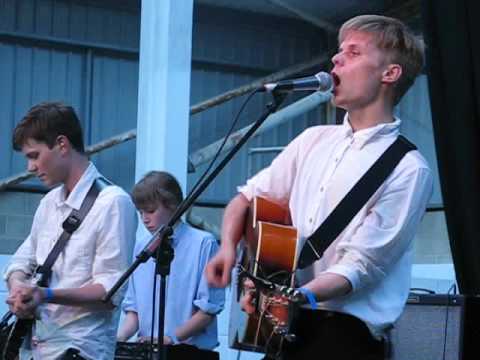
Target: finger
226, 274
218, 274
10, 301
248, 304
212, 273
248, 284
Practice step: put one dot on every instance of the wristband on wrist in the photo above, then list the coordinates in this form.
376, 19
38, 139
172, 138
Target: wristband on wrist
48, 294
310, 296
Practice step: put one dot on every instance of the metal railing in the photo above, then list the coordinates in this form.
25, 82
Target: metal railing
290, 71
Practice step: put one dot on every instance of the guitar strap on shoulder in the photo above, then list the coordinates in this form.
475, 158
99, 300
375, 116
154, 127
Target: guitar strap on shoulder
71, 223
351, 204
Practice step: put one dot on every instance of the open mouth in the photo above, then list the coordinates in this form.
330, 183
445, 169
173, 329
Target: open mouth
336, 79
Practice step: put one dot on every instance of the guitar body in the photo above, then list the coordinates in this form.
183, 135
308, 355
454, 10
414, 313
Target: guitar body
270, 254
20, 330
14, 330
13, 335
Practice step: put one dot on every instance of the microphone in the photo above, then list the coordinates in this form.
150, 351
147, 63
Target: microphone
321, 81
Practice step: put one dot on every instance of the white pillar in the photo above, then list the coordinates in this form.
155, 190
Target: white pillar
164, 87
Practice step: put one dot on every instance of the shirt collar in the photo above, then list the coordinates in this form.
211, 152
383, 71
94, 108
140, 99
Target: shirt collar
177, 233
361, 137
76, 196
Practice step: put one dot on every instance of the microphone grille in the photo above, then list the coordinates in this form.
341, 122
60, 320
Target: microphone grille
325, 82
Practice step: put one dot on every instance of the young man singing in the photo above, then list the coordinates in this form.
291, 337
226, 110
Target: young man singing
361, 283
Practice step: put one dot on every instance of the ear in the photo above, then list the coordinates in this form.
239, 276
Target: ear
63, 143
392, 73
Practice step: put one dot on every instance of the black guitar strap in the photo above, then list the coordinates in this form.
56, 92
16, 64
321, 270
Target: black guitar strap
71, 223
351, 204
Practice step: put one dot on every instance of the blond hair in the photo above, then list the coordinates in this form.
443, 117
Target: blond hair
397, 40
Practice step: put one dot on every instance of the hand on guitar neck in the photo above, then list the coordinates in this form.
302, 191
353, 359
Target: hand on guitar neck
248, 300
220, 266
23, 298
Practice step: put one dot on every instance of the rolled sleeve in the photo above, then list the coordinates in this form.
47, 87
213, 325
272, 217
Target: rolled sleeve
129, 302
23, 260
208, 299
386, 232
113, 244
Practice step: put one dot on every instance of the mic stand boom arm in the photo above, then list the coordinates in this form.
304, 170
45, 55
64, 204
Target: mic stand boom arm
164, 232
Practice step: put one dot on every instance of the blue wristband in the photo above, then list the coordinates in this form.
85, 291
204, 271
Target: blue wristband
48, 294
310, 297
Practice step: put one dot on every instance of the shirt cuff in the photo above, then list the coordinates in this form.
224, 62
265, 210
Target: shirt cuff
107, 282
347, 272
208, 307
129, 307
12, 268
247, 191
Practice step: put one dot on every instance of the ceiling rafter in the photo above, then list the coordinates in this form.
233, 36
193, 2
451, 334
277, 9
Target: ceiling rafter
314, 20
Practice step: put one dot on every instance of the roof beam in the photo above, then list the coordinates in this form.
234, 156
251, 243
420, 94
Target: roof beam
325, 25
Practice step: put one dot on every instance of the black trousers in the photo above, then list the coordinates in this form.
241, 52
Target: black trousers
329, 335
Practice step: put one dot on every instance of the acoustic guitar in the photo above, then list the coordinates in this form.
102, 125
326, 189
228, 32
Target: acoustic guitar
269, 260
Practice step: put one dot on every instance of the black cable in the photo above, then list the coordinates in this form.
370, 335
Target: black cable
194, 188
205, 173
454, 288
154, 317
428, 291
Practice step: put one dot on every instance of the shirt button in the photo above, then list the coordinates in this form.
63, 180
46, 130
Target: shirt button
321, 189
336, 159
310, 220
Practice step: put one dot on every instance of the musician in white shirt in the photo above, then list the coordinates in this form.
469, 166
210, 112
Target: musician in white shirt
69, 313
362, 281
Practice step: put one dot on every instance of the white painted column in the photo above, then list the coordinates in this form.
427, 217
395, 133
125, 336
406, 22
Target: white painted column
164, 87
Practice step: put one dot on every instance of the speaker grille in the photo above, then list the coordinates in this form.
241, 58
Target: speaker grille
420, 332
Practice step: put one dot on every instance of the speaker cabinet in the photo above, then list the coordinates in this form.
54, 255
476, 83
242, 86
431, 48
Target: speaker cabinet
437, 327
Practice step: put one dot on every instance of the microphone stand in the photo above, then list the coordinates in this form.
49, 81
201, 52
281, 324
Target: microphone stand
159, 242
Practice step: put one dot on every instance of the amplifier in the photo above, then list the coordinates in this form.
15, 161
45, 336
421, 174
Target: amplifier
437, 327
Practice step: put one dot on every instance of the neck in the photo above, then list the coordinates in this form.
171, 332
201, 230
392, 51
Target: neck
366, 117
78, 165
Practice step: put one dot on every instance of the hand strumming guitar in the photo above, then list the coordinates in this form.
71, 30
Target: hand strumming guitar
219, 268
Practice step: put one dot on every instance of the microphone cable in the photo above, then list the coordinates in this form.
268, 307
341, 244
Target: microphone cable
219, 151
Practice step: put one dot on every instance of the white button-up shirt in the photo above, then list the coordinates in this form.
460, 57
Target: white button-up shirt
374, 252
98, 252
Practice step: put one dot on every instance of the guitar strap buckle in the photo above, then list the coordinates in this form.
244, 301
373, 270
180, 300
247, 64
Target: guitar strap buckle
42, 276
71, 223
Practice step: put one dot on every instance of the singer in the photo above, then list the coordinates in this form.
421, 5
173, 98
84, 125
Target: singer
71, 321
359, 286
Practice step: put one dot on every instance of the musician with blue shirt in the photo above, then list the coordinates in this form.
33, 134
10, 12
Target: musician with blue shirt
191, 305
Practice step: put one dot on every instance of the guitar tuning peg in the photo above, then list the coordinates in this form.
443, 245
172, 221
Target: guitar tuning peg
290, 337
298, 296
